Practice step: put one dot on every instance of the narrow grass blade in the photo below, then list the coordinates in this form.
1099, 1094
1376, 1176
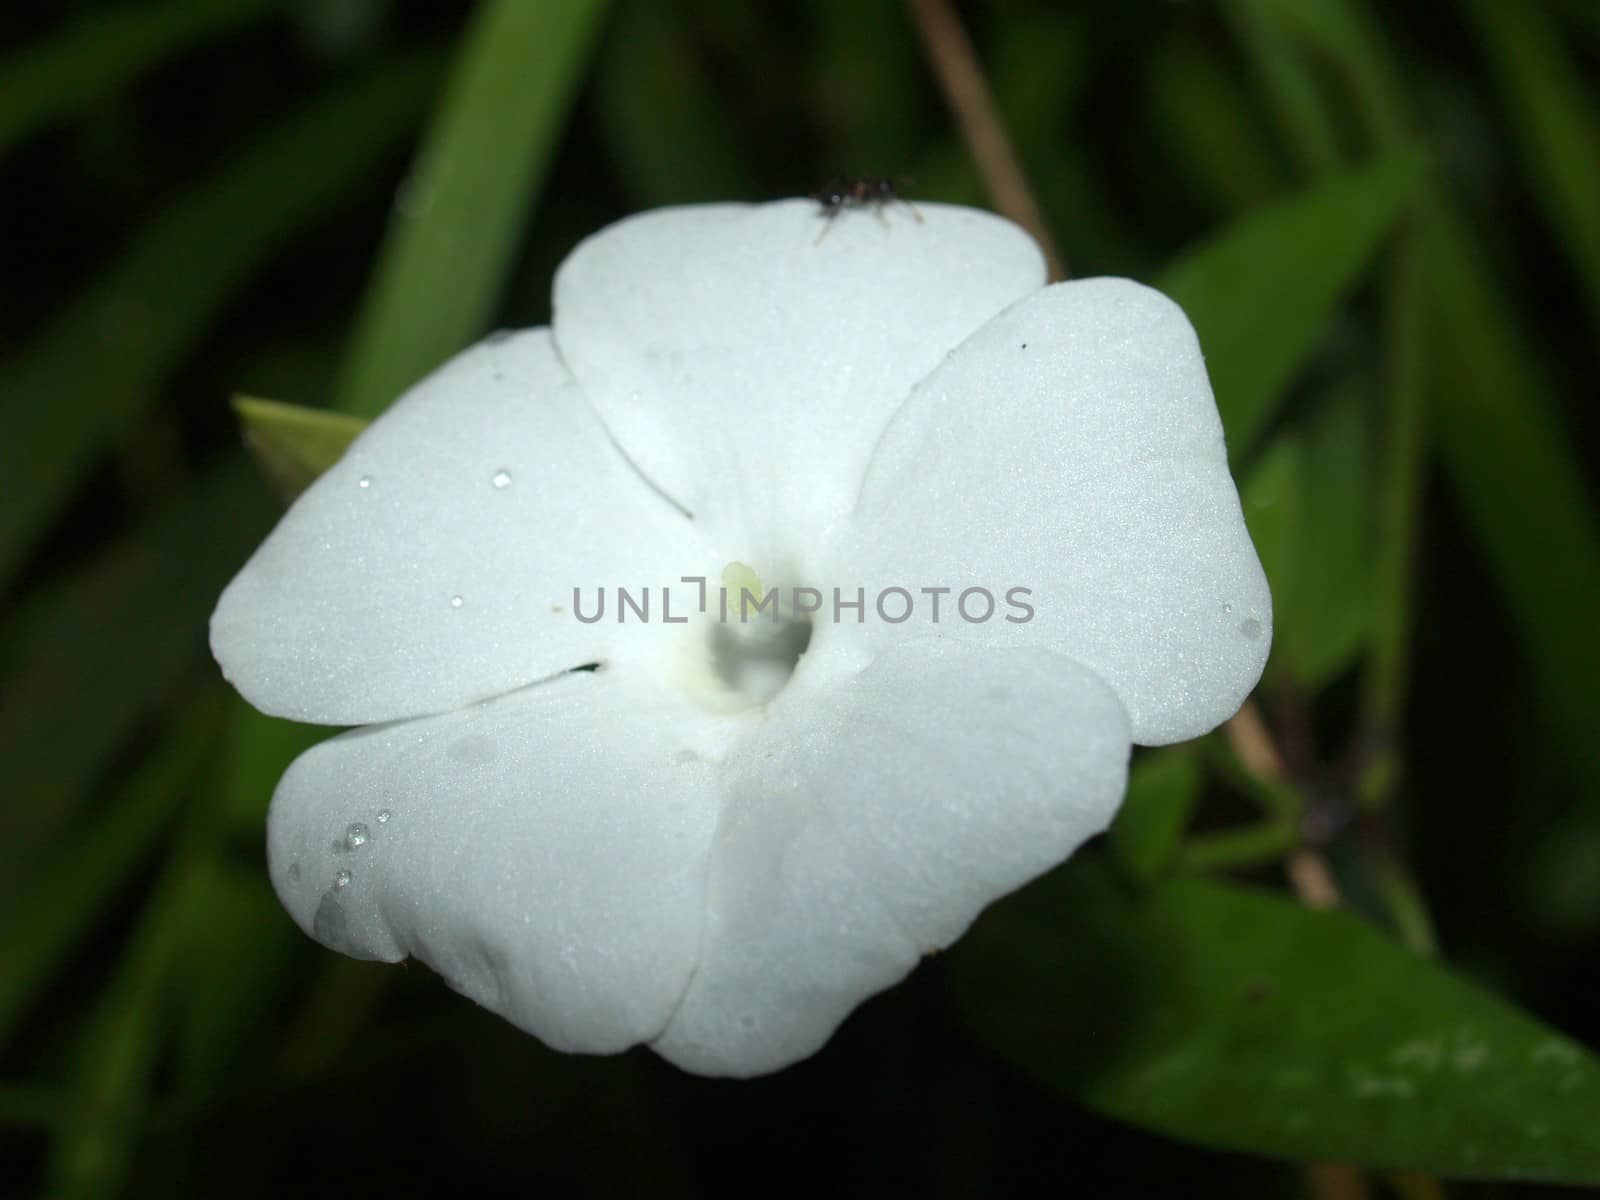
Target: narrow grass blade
1557, 121
93, 653
1261, 293
75, 884
455, 232
104, 51
107, 356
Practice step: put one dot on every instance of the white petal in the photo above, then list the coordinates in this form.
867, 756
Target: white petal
545, 852
871, 820
434, 565
748, 367
1072, 447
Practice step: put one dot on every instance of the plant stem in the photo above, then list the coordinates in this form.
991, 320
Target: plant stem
1256, 845
961, 78
1255, 765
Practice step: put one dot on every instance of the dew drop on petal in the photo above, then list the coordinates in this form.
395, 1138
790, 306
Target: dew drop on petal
502, 479
384, 817
294, 872
356, 835
365, 481
342, 879
1227, 608
1251, 628
455, 601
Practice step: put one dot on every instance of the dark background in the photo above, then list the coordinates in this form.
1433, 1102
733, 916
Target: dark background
244, 1060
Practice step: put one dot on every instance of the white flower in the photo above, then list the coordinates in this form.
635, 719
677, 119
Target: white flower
671, 849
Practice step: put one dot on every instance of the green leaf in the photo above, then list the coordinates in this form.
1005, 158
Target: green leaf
294, 445
1041, 66
1557, 125
662, 119
1298, 106
1234, 1018
869, 70
1517, 478
73, 887
1308, 504
95, 651
1511, 464
105, 51
118, 1053
1262, 292
1343, 34
97, 366
1397, 492
1210, 127
452, 241
1163, 788
234, 969
263, 748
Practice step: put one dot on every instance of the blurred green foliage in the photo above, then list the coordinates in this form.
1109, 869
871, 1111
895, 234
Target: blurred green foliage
1385, 223
1244, 1020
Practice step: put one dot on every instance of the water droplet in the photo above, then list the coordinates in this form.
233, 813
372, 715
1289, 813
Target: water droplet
294, 872
455, 601
1250, 628
342, 879
356, 835
502, 479
365, 481
384, 817
1227, 608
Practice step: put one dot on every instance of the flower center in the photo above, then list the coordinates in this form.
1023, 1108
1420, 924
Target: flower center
745, 647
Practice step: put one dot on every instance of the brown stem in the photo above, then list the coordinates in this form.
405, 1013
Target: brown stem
960, 75
1252, 743
1336, 1181
1251, 740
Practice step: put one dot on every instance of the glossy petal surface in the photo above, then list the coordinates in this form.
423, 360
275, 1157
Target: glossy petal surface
871, 819
545, 852
1072, 447
434, 565
748, 367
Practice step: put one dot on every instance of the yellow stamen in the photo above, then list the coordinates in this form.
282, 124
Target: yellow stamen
740, 579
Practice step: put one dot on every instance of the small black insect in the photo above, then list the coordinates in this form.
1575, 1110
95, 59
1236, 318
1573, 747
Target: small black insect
868, 191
